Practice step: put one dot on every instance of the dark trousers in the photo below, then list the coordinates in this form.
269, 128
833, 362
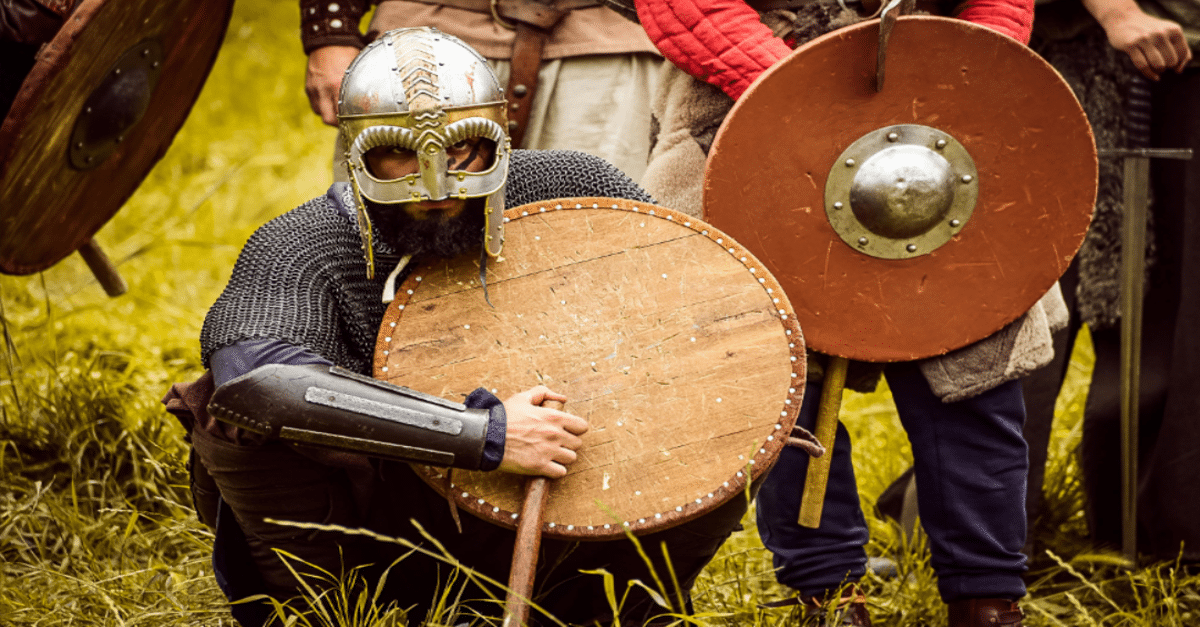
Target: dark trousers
971, 463
275, 480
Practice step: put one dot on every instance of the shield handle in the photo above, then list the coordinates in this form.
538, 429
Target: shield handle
812, 502
103, 268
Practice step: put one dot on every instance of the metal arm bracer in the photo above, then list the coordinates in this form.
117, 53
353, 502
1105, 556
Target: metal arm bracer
332, 407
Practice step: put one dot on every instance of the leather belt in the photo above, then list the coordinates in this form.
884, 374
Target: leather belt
532, 21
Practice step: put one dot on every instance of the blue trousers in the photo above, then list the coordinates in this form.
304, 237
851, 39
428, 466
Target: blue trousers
971, 464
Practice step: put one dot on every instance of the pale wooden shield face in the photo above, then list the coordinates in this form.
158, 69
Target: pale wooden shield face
1031, 144
673, 341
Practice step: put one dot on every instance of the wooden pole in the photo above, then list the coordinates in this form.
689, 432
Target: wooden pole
525, 550
100, 265
812, 502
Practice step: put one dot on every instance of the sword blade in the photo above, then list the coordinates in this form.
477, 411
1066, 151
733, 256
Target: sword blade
1133, 254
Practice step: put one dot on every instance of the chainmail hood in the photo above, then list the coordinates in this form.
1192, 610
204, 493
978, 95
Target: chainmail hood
301, 278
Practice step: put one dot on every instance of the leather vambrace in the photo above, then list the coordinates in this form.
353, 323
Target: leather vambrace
331, 407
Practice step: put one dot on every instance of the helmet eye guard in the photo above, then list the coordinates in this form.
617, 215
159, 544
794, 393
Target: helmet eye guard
462, 160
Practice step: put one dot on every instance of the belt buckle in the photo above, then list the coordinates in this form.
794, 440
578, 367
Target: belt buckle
495, 4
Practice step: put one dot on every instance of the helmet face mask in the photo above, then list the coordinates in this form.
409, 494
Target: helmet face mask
423, 91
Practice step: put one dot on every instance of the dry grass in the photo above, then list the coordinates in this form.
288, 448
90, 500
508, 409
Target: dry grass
95, 520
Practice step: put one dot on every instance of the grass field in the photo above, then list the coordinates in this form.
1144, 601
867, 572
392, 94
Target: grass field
96, 526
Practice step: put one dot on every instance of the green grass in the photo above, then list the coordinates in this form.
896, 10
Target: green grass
96, 526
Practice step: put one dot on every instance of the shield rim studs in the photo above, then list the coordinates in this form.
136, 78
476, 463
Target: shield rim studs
841, 180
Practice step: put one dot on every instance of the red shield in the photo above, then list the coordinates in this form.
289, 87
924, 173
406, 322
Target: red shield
1033, 172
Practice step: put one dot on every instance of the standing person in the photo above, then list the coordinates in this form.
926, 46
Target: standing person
578, 75
970, 457
301, 299
1104, 48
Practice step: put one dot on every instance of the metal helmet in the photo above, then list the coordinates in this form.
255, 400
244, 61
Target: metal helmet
423, 90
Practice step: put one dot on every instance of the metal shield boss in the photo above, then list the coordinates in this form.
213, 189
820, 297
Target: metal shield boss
912, 221
101, 105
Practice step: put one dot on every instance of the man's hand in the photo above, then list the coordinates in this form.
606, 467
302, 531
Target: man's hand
1154, 45
539, 440
323, 80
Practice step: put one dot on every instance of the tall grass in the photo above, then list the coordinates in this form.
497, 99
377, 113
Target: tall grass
96, 526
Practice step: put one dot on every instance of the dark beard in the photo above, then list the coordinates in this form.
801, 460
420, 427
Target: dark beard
443, 237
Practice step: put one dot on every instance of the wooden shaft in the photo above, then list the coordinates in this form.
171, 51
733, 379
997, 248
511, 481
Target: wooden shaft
100, 265
813, 500
525, 550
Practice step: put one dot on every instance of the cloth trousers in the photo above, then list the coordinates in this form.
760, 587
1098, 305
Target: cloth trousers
276, 481
971, 464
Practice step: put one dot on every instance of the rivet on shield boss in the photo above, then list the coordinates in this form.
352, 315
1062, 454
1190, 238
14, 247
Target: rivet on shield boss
98, 109
910, 217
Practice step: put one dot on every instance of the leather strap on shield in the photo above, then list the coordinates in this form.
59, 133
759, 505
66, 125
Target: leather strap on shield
672, 341
909, 222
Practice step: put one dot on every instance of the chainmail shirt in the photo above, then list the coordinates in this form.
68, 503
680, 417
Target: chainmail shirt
301, 277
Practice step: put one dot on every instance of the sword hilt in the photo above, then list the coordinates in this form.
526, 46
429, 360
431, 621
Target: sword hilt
1138, 103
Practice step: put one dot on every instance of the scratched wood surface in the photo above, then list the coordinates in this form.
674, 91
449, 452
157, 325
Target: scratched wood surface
670, 339
1032, 147
47, 208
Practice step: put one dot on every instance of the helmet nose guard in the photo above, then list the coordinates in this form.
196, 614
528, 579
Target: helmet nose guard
422, 90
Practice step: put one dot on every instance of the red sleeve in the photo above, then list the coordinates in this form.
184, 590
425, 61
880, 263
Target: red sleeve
719, 41
724, 43
1010, 17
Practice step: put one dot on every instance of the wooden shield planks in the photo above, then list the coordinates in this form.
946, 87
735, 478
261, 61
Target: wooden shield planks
669, 338
48, 208
1030, 142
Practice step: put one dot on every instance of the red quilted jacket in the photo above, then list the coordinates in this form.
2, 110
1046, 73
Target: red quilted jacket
724, 43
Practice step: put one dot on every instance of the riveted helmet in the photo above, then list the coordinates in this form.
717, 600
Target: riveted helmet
422, 90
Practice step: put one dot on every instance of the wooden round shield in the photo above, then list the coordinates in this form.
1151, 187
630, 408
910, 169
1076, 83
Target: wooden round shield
670, 339
102, 103
999, 122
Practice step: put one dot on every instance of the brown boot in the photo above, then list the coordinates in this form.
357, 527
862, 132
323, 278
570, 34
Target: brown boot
985, 613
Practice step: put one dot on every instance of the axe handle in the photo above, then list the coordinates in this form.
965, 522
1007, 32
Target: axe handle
525, 549
812, 502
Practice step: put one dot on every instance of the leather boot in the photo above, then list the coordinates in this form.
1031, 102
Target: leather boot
985, 613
